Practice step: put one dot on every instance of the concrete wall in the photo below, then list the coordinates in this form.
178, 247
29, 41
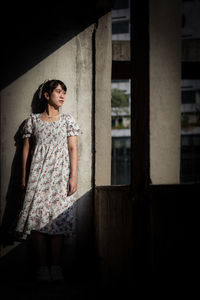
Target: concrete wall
71, 63
103, 101
165, 90
74, 64
121, 50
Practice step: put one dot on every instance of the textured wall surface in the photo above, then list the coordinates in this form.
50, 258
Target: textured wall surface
165, 90
103, 101
72, 64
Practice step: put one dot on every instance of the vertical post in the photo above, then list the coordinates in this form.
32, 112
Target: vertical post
140, 177
139, 96
165, 90
103, 63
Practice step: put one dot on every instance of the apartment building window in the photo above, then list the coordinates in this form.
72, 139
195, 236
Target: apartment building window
120, 27
121, 4
121, 95
190, 94
190, 131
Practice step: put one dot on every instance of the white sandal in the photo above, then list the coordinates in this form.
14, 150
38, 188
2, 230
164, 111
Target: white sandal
42, 274
56, 273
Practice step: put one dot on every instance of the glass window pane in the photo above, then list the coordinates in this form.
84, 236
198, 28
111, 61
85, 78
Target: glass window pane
121, 132
190, 132
188, 97
120, 27
121, 4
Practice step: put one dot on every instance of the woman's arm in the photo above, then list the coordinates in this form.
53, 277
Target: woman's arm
73, 156
25, 152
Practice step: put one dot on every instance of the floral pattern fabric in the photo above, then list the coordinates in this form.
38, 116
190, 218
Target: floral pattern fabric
47, 207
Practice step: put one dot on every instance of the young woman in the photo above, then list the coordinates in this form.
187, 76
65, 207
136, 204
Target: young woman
52, 180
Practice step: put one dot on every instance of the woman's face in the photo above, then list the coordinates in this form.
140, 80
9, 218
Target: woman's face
57, 97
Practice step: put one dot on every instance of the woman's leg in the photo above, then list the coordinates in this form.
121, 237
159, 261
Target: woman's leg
40, 246
56, 244
39, 241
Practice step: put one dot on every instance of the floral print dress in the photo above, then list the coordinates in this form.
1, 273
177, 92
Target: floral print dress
47, 207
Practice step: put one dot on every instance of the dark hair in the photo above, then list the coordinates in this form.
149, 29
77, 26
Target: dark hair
48, 87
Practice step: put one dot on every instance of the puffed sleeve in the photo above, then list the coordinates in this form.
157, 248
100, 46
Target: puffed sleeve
72, 126
28, 127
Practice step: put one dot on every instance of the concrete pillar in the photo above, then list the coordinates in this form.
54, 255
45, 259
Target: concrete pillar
103, 63
165, 90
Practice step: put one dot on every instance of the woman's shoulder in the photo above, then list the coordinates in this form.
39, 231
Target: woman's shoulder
68, 116
32, 116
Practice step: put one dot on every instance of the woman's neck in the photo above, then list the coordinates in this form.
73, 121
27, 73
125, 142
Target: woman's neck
50, 111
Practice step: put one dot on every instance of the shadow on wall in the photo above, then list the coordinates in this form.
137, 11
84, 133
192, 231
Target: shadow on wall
15, 195
33, 34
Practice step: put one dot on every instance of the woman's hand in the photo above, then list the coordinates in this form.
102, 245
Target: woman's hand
71, 186
23, 183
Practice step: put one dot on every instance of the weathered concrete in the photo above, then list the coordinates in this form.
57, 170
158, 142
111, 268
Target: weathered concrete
165, 92
84, 64
71, 63
121, 50
103, 101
